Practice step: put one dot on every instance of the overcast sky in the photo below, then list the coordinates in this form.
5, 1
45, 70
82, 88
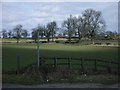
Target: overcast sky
30, 14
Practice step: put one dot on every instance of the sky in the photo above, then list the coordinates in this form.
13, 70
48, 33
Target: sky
30, 14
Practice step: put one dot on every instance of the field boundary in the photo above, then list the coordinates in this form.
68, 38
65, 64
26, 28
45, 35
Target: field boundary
85, 64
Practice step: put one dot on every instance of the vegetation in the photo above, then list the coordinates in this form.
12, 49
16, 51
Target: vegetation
70, 25
35, 76
90, 25
18, 30
72, 40
51, 30
94, 24
28, 53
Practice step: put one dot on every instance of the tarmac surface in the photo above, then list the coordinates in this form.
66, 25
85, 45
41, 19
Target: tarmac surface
61, 85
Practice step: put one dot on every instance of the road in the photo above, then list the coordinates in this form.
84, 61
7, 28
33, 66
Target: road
62, 85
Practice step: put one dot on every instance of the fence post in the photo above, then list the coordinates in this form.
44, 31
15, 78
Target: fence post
42, 62
82, 65
18, 64
109, 68
95, 65
118, 67
55, 62
69, 62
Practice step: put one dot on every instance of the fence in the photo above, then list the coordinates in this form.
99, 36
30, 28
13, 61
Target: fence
84, 64
81, 63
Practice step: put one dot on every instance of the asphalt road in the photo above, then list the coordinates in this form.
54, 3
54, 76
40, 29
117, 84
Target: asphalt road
62, 85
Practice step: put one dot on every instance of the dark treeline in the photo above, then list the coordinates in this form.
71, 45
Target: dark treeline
89, 25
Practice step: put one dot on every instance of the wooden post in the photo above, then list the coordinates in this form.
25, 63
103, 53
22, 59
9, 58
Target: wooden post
69, 62
82, 65
38, 51
55, 62
95, 64
42, 62
118, 67
109, 68
18, 64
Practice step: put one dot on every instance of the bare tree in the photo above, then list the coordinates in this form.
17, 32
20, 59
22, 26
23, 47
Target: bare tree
52, 27
10, 34
39, 29
80, 27
34, 34
18, 32
4, 33
94, 22
24, 33
70, 26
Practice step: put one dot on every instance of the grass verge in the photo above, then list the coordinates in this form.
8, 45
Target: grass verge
21, 79
50, 75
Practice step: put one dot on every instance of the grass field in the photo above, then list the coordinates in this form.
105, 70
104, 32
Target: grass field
28, 53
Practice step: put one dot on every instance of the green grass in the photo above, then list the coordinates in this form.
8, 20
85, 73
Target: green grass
28, 53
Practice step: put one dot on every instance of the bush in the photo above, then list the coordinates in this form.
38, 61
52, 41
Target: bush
43, 41
57, 41
108, 43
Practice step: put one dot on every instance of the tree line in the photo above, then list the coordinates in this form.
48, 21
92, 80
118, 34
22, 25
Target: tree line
89, 25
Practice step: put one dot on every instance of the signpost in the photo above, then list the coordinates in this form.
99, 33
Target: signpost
38, 51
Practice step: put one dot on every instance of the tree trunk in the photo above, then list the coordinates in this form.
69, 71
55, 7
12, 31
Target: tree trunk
17, 40
48, 40
79, 37
52, 38
69, 39
92, 40
35, 40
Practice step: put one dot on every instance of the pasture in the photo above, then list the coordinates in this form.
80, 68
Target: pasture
28, 53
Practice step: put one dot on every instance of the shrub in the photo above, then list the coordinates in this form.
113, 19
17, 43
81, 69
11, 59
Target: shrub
108, 43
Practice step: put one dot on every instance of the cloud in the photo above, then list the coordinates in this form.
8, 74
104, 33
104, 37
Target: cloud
59, 0
33, 13
0, 17
39, 14
56, 9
